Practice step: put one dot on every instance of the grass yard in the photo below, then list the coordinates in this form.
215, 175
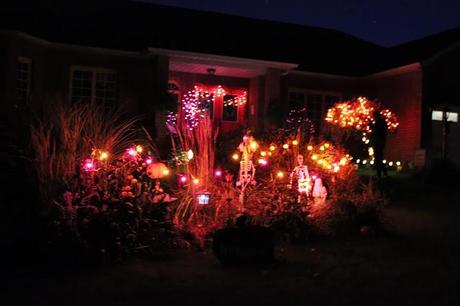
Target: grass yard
415, 264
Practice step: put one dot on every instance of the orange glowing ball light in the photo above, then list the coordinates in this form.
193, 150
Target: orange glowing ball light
104, 155
157, 170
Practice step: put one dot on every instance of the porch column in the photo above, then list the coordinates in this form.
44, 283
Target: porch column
271, 93
256, 102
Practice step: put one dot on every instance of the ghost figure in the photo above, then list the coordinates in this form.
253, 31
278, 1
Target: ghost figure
300, 173
247, 170
319, 192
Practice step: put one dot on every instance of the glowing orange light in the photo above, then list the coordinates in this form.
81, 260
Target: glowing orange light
285, 146
104, 155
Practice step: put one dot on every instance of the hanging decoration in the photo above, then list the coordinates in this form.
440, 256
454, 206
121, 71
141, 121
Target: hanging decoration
198, 102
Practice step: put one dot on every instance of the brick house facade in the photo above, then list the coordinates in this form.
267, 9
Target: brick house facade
37, 67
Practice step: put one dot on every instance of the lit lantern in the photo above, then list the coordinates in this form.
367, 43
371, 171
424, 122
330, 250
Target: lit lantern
157, 170
295, 142
235, 156
280, 174
148, 161
253, 145
263, 153
218, 173
183, 179
196, 181
203, 198
285, 146
272, 148
139, 149
309, 147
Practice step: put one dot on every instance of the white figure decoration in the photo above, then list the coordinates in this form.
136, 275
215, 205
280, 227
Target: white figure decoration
300, 174
319, 192
247, 170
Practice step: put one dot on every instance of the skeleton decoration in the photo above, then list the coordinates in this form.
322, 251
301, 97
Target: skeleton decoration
300, 174
247, 170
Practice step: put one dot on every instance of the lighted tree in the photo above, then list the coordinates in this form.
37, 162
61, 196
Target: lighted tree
356, 115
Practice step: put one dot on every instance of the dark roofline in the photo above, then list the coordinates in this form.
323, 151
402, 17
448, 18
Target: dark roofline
135, 26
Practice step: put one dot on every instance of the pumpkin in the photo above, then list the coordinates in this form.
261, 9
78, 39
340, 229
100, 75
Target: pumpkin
157, 170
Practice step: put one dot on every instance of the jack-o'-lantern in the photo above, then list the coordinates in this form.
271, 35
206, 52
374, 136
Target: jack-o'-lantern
157, 170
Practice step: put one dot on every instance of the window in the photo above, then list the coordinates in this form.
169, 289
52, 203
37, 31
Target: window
315, 108
93, 85
296, 100
23, 77
229, 109
316, 103
451, 116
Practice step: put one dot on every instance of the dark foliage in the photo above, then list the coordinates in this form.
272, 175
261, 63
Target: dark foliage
244, 244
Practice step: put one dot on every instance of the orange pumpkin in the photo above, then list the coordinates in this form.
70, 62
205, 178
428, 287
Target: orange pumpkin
157, 170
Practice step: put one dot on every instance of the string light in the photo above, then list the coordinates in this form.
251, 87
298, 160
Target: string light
358, 114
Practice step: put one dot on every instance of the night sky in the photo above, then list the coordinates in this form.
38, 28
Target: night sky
384, 22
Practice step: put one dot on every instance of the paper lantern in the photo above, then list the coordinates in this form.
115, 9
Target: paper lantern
157, 170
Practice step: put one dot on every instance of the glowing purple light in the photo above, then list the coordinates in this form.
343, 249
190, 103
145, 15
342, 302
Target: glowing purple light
218, 173
148, 161
132, 152
89, 165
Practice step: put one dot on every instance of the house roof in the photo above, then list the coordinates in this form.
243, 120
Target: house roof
135, 26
